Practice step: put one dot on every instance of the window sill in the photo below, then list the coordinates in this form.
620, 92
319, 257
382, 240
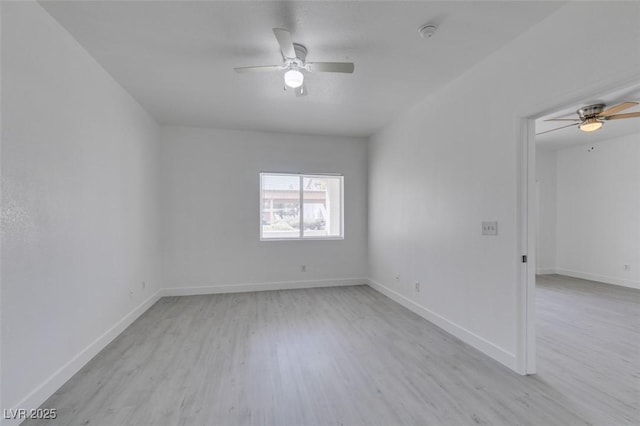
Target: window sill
303, 239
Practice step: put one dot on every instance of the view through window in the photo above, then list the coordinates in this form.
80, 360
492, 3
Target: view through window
296, 206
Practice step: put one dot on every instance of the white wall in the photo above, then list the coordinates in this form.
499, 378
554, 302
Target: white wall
79, 186
599, 211
210, 210
546, 229
441, 168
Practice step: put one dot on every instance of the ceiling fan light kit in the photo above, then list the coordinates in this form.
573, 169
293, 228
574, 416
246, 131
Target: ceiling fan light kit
591, 125
293, 78
294, 57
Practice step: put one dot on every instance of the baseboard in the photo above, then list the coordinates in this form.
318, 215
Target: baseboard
546, 271
41, 393
504, 357
601, 278
244, 288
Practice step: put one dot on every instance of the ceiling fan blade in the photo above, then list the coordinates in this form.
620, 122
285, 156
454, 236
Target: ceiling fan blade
301, 91
617, 108
623, 116
262, 68
553, 130
330, 67
562, 119
285, 42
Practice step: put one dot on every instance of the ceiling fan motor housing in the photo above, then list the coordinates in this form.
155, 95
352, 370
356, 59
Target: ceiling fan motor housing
590, 111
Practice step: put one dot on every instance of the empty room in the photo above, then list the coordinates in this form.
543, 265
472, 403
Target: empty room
320, 213
588, 190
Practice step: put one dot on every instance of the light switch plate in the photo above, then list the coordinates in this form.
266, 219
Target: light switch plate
489, 228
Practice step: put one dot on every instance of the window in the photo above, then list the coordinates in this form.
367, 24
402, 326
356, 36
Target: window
295, 206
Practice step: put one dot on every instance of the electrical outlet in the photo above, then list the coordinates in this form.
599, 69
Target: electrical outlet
418, 287
489, 228
303, 268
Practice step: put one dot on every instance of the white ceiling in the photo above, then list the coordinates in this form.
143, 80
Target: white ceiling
571, 136
177, 57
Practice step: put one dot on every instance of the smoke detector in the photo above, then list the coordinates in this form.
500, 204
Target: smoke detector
427, 30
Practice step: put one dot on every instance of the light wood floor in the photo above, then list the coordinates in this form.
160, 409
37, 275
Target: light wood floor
588, 336
343, 356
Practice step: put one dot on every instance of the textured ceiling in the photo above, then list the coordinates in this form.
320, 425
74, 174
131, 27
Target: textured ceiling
177, 57
571, 136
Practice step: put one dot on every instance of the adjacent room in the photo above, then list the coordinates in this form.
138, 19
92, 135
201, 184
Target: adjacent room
588, 303
320, 213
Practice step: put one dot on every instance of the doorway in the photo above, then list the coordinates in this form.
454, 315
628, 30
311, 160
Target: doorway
530, 188
576, 306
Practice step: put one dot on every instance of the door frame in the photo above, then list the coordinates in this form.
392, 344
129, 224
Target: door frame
527, 212
527, 218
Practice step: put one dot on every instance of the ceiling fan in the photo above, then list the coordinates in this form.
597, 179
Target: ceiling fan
592, 117
293, 61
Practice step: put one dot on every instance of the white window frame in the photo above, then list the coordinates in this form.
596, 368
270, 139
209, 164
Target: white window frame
301, 236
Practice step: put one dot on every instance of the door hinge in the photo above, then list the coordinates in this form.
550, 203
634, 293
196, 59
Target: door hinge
524, 258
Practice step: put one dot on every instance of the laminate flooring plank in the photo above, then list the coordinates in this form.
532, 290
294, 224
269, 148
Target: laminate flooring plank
589, 345
351, 356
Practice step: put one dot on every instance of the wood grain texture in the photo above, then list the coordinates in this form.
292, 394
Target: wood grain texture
324, 356
589, 346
